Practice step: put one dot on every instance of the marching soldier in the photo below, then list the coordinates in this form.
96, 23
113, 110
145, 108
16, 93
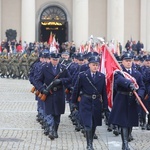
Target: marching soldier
32, 58
91, 84
65, 58
52, 74
4, 67
146, 101
125, 108
14, 64
23, 64
34, 68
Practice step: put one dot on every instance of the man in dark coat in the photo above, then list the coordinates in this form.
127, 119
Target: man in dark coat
55, 100
125, 108
93, 96
146, 101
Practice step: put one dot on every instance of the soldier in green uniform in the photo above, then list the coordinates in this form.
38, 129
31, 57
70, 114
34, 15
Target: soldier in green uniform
4, 66
23, 64
14, 63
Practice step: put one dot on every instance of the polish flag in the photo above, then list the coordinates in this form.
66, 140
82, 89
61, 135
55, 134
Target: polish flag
50, 38
53, 45
82, 48
108, 65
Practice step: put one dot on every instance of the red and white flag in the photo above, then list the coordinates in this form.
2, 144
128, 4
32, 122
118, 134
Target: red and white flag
50, 38
53, 45
108, 65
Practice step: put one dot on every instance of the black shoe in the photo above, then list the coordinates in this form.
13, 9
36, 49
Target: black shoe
130, 138
55, 134
51, 133
78, 128
46, 130
95, 136
70, 116
55, 131
110, 128
143, 126
116, 132
148, 127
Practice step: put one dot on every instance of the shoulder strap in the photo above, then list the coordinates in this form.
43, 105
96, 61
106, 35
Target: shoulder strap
90, 82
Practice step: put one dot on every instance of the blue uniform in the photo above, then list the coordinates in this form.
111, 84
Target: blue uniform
32, 76
55, 102
125, 111
89, 108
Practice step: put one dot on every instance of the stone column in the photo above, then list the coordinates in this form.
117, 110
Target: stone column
0, 22
145, 24
115, 20
28, 21
148, 26
80, 21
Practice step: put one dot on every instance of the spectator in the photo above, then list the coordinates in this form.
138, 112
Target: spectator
127, 46
138, 47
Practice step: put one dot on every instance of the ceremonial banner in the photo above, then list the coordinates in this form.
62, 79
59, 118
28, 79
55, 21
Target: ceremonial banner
50, 39
108, 65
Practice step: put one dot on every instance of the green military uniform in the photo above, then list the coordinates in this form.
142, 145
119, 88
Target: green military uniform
23, 64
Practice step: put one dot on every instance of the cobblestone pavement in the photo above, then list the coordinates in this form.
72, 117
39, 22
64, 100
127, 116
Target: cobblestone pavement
20, 131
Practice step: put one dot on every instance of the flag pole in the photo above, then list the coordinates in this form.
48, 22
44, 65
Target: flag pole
134, 92
141, 103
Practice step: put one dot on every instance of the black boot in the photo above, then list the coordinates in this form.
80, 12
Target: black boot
78, 126
143, 125
116, 130
130, 138
110, 127
89, 138
51, 132
55, 131
93, 133
148, 123
124, 136
46, 129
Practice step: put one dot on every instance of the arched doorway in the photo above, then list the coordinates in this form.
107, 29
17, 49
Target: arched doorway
53, 19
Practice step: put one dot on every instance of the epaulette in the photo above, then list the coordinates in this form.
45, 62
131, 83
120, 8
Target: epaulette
80, 73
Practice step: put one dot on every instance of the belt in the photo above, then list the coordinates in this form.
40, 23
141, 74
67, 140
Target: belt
93, 96
54, 89
125, 93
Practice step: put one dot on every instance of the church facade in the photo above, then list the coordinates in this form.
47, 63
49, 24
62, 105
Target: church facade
76, 20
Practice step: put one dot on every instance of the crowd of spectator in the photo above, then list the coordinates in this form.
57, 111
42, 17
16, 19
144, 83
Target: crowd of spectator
19, 47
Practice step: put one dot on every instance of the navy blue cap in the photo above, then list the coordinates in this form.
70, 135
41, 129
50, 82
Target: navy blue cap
85, 55
55, 55
141, 58
80, 56
118, 58
74, 55
46, 53
65, 52
40, 54
127, 56
136, 58
94, 59
90, 54
146, 57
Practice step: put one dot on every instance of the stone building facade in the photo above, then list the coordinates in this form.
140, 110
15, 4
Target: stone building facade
76, 20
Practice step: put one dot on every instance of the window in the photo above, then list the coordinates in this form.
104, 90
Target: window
53, 13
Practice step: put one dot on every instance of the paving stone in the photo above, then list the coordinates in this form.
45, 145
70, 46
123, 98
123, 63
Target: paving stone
19, 129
